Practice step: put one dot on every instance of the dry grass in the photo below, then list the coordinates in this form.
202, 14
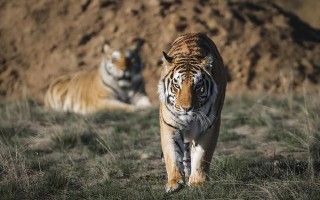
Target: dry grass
269, 148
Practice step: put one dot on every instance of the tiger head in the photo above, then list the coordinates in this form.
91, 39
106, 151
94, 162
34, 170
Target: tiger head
123, 67
186, 84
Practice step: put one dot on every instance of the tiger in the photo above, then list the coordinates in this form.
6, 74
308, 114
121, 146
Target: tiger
116, 85
191, 91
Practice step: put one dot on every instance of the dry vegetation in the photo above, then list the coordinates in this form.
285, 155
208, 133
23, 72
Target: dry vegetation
269, 149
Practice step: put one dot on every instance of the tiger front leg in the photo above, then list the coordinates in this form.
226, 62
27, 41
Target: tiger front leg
172, 147
198, 171
141, 101
201, 155
187, 161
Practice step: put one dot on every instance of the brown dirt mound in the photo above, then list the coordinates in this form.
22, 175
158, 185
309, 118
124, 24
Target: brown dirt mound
264, 47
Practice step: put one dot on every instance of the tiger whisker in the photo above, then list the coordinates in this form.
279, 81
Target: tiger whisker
206, 119
212, 115
203, 119
199, 116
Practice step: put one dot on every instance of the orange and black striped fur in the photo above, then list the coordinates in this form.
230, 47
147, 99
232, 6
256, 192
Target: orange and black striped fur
191, 90
116, 85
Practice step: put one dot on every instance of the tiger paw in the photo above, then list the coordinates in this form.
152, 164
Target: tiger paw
186, 178
143, 103
174, 185
196, 181
131, 108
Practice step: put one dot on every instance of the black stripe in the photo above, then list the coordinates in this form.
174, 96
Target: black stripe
176, 116
215, 117
187, 151
209, 90
203, 103
209, 111
168, 100
177, 144
176, 141
212, 123
167, 75
187, 146
106, 70
112, 88
167, 122
181, 136
164, 87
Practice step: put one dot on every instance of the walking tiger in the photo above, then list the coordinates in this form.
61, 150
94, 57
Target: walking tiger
191, 91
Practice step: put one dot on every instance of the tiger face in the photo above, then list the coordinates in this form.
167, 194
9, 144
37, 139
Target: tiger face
187, 86
125, 68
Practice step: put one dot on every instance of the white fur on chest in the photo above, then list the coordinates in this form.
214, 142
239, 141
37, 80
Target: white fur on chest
196, 123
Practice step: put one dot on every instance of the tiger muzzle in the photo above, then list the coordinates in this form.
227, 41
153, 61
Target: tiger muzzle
186, 98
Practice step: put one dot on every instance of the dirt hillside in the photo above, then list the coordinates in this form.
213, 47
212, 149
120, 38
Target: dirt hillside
264, 47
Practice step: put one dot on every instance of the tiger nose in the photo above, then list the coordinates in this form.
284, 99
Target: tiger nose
127, 75
186, 108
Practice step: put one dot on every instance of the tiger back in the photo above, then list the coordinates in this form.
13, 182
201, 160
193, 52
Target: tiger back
116, 85
191, 91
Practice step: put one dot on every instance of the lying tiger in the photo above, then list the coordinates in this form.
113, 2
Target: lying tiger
191, 90
116, 85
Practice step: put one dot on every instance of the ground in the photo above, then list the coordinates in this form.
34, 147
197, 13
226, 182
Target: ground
264, 47
268, 149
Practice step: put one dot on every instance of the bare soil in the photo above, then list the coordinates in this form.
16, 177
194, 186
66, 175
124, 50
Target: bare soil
265, 48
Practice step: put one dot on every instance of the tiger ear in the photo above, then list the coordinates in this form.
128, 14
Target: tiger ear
208, 62
167, 60
116, 55
167, 57
138, 43
106, 48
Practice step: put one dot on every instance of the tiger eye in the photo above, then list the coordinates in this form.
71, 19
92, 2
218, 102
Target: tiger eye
201, 89
199, 86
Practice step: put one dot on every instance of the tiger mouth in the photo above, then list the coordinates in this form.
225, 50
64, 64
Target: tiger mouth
124, 83
124, 78
185, 113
